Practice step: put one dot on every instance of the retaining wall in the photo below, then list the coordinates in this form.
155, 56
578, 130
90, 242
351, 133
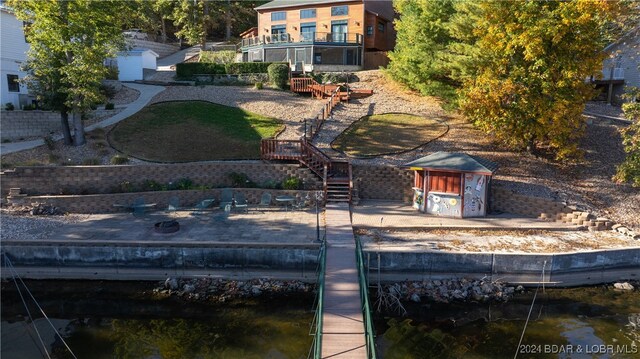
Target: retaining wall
566, 269
383, 182
103, 179
19, 124
69, 260
159, 48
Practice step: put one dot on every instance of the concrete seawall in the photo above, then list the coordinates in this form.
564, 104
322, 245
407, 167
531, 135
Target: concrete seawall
564, 269
156, 260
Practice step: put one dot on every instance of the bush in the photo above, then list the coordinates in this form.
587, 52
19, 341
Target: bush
181, 184
271, 184
218, 57
9, 106
150, 185
251, 67
112, 73
109, 106
338, 77
28, 107
278, 75
259, 86
126, 186
292, 183
187, 70
119, 160
51, 144
91, 161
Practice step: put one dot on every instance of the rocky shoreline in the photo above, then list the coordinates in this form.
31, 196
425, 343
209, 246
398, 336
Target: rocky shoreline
222, 290
451, 290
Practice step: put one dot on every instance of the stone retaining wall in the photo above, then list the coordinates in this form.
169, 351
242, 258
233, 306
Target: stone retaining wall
103, 179
20, 124
104, 203
383, 182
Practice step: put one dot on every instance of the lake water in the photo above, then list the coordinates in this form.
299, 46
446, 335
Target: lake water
594, 322
113, 320
122, 320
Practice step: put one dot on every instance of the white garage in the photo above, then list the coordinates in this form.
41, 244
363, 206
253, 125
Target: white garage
131, 64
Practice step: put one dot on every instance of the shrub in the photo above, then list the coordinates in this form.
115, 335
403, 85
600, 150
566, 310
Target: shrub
109, 106
182, 183
119, 160
292, 183
278, 75
51, 144
9, 106
91, 161
107, 90
259, 86
338, 77
187, 70
112, 73
251, 67
126, 186
218, 57
271, 184
151, 185
28, 107
53, 158
238, 179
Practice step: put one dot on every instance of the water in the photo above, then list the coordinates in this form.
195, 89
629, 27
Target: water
593, 322
115, 320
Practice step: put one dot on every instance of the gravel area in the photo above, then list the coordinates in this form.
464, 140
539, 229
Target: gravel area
292, 109
18, 225
496, 241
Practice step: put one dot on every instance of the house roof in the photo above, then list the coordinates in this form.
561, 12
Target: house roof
137, 52
461, 162
276, 4
633, 32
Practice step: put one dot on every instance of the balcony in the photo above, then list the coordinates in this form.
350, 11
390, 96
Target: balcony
303, 38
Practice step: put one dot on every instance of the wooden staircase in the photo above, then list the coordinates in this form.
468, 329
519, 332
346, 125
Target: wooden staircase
336, 174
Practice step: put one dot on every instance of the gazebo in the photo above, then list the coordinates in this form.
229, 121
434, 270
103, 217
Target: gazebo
453, 184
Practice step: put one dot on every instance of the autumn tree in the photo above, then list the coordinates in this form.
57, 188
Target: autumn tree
69, 42
629, 169
193, 19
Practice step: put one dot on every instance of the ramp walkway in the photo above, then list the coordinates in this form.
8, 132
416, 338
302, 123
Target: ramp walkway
343, 330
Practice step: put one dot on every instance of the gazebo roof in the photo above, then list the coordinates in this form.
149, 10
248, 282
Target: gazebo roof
450, 161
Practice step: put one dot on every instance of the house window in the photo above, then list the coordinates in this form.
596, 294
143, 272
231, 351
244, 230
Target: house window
14, 85
307, 31
444, 182
380, 26
339, 31
339, 10
308, 13
369, 30
278, 16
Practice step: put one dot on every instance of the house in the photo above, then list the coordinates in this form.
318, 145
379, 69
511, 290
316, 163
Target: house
452, 184
132, 63
322, 35
622, 67
13, 53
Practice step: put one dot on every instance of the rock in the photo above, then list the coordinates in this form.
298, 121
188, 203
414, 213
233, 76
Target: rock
255, 291
519, 289
189, 288
415, 297
171, 283
509, 290
623, 286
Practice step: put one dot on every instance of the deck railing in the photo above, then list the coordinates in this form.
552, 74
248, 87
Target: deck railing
316, 347
305, 37
301, 84
369, 332
273, 149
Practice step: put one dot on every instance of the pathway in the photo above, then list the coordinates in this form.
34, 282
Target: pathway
147, 92
342, 319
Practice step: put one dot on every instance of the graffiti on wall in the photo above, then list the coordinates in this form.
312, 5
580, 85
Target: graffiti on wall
474, 194
443, 205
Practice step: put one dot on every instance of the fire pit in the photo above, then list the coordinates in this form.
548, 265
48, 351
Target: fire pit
167, 227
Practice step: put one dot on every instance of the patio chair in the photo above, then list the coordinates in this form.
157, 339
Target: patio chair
227, 198
203, 206
174, 204
240, 202
139, 207
302, 204
265, 200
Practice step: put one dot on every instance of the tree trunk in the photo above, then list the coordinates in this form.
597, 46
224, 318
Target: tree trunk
164, 31
78, 130
66, 131
227, 18
205, 21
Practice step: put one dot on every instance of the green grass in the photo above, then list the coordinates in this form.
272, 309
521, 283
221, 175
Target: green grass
388, 133
189, 131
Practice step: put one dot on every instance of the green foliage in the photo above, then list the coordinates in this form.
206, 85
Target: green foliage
419, 58
187, 70
250, 67
181, 184
150, 185
91, 161
292, 183
271, 184
126, 187
112, 73
278, 74
218, 57
29, 107
49, 142
238, 179
119, 160
9, 106
259, 86
69, 41
193, 19
629, 169
107, 91
336, 77
109, 106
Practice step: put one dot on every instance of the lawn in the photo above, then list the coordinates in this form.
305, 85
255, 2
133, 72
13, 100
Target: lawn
187, 131
388, 133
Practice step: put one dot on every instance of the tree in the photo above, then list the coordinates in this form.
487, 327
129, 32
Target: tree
418, 59
629, 169
529, 67
69, 42
194, 20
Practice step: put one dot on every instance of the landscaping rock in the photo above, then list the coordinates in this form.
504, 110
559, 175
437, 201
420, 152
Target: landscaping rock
623, 286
